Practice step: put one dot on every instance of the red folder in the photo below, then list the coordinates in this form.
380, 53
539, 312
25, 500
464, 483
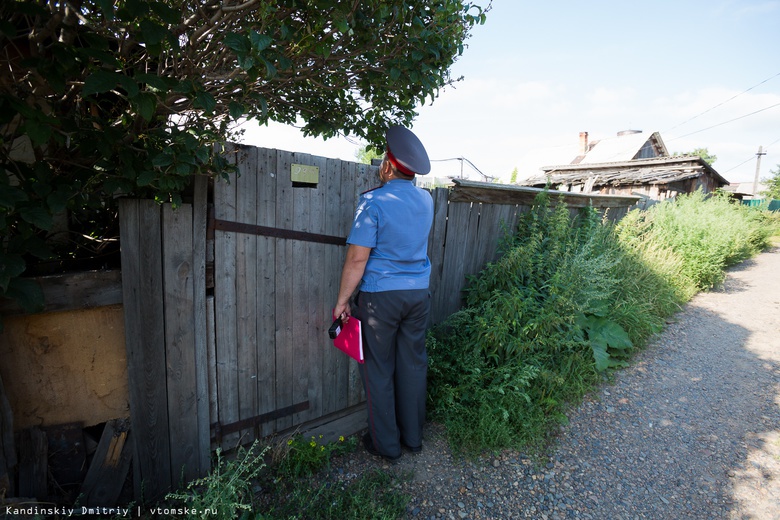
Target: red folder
350, 339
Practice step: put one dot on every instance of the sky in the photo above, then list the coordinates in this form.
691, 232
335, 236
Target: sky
704, 74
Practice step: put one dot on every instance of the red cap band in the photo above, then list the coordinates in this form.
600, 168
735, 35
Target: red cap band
400, 167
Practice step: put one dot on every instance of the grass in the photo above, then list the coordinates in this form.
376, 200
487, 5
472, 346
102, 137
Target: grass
289, 480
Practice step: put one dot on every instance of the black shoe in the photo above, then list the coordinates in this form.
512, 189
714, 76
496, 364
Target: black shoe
411, 449
369, 445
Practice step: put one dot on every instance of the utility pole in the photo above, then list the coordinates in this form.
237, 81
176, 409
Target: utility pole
758, 168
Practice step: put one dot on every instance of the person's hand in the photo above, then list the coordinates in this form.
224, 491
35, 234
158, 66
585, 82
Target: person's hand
342, 311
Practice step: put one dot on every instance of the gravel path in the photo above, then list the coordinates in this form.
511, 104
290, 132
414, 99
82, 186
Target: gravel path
690, 430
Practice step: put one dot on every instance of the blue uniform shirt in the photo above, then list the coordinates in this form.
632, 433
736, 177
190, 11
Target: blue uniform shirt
394, 221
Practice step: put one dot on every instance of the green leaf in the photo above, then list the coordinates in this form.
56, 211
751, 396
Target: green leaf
600, 355
10, 267
146, 177
146, 104
10, 195
246, 61
615, 336
260, 42
99, 82
270, 70
37, 216
154, 81
236, 109
162, 160
237, 42
166, 13
107, 6
153, 33
205, 101
38, 132
27, 293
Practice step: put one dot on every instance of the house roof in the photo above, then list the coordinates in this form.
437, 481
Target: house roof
746, 188
658, 170
624, 148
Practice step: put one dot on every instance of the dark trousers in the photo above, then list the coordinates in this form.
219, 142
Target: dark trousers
396, 366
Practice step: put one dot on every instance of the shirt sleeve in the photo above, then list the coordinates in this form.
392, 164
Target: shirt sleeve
364, 226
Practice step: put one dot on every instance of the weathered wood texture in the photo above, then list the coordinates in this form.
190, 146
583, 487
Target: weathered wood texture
258, 360
7, 446
109, 467
33, 463
73, 291
163, 266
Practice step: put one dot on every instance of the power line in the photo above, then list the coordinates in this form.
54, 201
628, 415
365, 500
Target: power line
725, 122
722, 103
752, 157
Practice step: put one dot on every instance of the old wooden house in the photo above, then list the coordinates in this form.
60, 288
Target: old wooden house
631, 164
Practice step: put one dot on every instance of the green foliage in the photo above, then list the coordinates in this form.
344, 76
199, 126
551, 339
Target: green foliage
303, 458
701, 152
371, 495
772, 184
226, 491
297, 486
300, 485
569, 299
708, 233
365, 154
100, 99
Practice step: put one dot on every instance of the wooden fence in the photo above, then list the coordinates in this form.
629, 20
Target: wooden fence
227, 305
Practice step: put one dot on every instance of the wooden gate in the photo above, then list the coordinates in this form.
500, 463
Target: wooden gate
279, 248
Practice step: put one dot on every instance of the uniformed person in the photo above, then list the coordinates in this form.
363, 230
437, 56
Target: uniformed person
387, 258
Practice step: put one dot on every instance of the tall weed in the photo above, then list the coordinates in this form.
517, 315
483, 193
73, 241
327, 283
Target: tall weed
708, 232
567, 299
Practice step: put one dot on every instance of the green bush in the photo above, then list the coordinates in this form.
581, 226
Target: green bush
226, 491
569, 299
709, 233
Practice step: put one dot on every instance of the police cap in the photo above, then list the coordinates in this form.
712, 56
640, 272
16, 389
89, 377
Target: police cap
406, 152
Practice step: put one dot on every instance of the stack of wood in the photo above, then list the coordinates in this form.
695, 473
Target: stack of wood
51, 465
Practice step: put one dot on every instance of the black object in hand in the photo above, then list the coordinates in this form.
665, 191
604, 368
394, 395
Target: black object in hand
335, 328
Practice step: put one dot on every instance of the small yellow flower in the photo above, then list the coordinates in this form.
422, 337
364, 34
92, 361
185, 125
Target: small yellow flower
289, 442
341, 439
313, 444
322, 448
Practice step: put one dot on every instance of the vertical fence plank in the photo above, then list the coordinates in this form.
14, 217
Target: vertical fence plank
457, 242
335, 375
436, 250
211, 352
285, 275
246, 293
179, 341
301, 294
319, 274
348, 196
142, 294
200, 310
266, 278
225, 307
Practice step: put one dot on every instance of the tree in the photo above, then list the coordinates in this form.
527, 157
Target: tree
106, 97
701, 152
513, 178
772, 184
366, 153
